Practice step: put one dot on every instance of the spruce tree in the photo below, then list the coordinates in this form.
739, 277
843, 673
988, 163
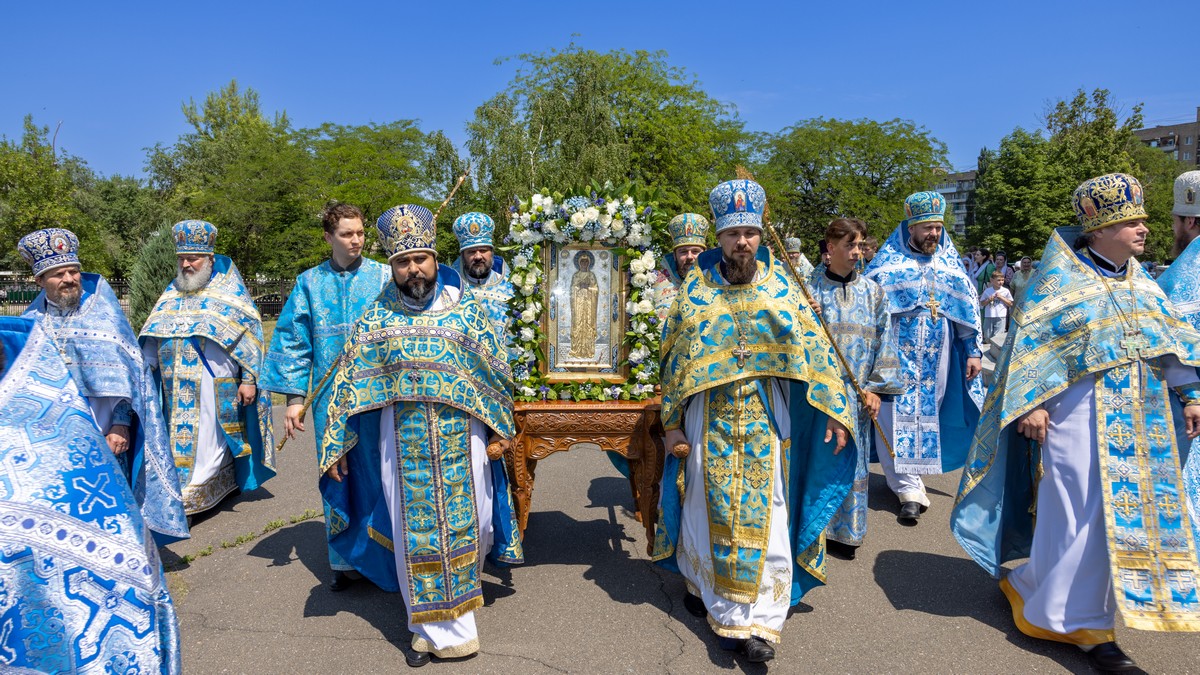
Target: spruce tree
153, 269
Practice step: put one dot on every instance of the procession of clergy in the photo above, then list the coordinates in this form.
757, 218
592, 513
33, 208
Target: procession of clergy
780, 383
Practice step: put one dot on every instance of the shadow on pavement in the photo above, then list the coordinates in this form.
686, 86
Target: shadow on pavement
945, 586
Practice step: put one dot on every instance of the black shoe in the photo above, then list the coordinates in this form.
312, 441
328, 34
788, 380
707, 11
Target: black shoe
910, 513
694, 605
757, 650
416, 659
1108, 658
841, 550
341, 581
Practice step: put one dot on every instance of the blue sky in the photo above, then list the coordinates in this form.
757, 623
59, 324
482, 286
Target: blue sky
115, 74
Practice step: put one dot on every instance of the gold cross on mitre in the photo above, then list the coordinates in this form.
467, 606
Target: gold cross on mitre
741, 353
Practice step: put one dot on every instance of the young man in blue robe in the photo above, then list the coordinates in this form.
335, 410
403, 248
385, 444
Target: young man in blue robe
855, 311
83, 588
485, 273
936, 326
419, 415
313, 327
81, 314
756, 415
1076, 463
1181, 283
203, 341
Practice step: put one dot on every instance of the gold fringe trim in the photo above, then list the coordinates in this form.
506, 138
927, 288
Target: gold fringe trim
420, 644
377, 537
735, 591
435, 615
434, 567
464, 561
744, 632
1082, 636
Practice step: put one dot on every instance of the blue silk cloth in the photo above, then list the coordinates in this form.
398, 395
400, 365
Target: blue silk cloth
1073, 325
224, 313
312, 329
492, 295
434, 366
718, 338
1181, 283
99, 348
856, 314
81, 586
927, 438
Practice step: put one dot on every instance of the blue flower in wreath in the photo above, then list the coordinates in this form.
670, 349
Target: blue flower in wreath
577, 203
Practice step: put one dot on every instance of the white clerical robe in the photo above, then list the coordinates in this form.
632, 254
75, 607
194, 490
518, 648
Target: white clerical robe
456, 637
765, 616
1067, 584
212, 473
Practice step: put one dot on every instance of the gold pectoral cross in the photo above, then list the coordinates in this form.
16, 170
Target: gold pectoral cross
741, 353
1133, 344
933, 306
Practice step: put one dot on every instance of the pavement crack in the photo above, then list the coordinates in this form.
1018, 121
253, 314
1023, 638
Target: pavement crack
668, 622
524, 658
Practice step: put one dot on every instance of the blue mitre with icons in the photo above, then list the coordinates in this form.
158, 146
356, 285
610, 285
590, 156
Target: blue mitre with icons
924, 207
474, 229
197, 237
738, 203
688, 229
406, 228
1110, 199
47, 249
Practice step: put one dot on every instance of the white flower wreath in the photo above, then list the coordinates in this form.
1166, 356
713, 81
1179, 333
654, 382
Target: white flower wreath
613, 220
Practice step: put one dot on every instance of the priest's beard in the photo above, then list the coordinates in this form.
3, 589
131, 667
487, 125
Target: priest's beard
188, 282
67, 297
928, 245
1182, 239
478, 271
741, 270
416, 290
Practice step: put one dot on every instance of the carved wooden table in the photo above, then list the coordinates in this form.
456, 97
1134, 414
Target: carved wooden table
632, 429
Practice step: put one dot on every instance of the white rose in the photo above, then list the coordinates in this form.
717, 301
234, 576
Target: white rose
618, 228
516, 279
640, 280
528, 289
528, 315
592, 214
648, 260
578, 219
605, 219
629, 201
527, 334
550, 226
645, 306
631, 307
612, 207
636, 266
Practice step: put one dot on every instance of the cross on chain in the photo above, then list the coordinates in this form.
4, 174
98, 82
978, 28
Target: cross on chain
741, 353
933, 306
108, 604
1133, 344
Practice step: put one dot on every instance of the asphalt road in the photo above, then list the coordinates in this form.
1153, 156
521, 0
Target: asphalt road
589, 601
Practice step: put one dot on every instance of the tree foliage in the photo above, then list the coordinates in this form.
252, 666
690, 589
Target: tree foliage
153, 269
822, 169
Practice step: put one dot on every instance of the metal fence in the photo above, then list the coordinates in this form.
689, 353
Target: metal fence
16, 294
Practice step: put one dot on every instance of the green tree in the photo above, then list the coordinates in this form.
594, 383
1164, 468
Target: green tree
822, 169
153, 269
126, 211
245, 174
1018, 195
39, 188
574, 116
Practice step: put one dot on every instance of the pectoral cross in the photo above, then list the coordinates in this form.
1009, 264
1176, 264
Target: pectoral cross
933, 306
741, 353
1133, 344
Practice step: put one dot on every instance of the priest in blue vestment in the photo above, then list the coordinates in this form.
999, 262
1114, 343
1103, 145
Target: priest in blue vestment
82, 315
203, 341
794, 247
1076, 463
82, 588
1181, 283
312, 329
419, 414
936, 326
855, 311
689, 238
757, 421
485, 273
